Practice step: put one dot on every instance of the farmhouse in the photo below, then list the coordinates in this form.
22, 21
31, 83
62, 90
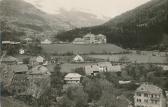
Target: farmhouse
78, 41
10, 60
148, 95
21, 51
72, 78
19, 68
39, 79
102, 67
78, 58
33, 61
91, 39
40, 59
19, 84
46, 41
28, 40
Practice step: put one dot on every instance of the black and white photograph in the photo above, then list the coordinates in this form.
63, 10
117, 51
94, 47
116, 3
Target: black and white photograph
83, 53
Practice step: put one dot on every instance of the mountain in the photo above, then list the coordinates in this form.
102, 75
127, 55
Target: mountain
22, 16
143, 27
80, 18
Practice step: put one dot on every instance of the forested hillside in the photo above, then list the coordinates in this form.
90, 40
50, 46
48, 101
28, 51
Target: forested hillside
144, 26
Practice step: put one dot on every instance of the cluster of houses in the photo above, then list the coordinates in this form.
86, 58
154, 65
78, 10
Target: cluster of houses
91, 39
22, 79
146, 95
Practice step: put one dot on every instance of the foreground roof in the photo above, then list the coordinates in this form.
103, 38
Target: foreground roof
39, 70
149, 88
73, 75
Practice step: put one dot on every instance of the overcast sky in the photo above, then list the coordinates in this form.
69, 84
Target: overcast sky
108, 8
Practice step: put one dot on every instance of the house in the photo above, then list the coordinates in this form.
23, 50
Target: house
91, 39
6, 74
78, 41
164, 67
40, 59
46, 41
72, 78
148, 95
21, 51
101, 39
10, 60
78, 58
34, 61
28, 40
39, 70
19, 84
19, 68
102, 67
39, 80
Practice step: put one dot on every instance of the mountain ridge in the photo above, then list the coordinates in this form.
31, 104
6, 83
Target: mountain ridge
144, 26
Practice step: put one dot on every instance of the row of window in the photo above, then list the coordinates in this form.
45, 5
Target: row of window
148, 95
148, 101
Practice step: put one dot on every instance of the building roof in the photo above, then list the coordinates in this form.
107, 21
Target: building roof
89, 35
39, 70
28, 39
78, 58
10, 59
73, 75
149, 88
39, 59
46, 41
19, 68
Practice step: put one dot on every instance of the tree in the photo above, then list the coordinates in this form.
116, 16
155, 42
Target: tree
80, 71
57, 79
77, 95
93, 89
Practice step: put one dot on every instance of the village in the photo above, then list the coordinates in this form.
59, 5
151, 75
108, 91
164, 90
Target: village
129, 82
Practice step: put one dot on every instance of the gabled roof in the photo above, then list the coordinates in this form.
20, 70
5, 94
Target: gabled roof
28, 39
19, 68
39, 59
39, 70
149, 88
10, 59
77, 58
73, 75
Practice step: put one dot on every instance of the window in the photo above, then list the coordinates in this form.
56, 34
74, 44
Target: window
138, 94
138, 100
146, 101
145, 95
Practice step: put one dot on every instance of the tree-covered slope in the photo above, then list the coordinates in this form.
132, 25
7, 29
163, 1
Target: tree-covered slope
141, 27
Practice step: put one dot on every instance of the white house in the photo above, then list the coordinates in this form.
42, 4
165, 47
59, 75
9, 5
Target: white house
72, 78
148, 95
78, 41
78, 58
21, 51
46, 41
28, 39
40, 59
102, 67
91, 39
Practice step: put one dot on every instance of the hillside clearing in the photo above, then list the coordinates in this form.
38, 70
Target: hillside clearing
81, 49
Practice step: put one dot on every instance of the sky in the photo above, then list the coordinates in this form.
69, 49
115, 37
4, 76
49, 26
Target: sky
108, 8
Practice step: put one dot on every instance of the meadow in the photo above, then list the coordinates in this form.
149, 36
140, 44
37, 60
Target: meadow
81, 49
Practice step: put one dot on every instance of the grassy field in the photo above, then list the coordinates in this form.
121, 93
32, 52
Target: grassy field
81, 49
133, 57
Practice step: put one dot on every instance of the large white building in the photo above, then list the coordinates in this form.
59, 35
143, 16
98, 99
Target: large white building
91, 39
72, 78
148, 95
102, 67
